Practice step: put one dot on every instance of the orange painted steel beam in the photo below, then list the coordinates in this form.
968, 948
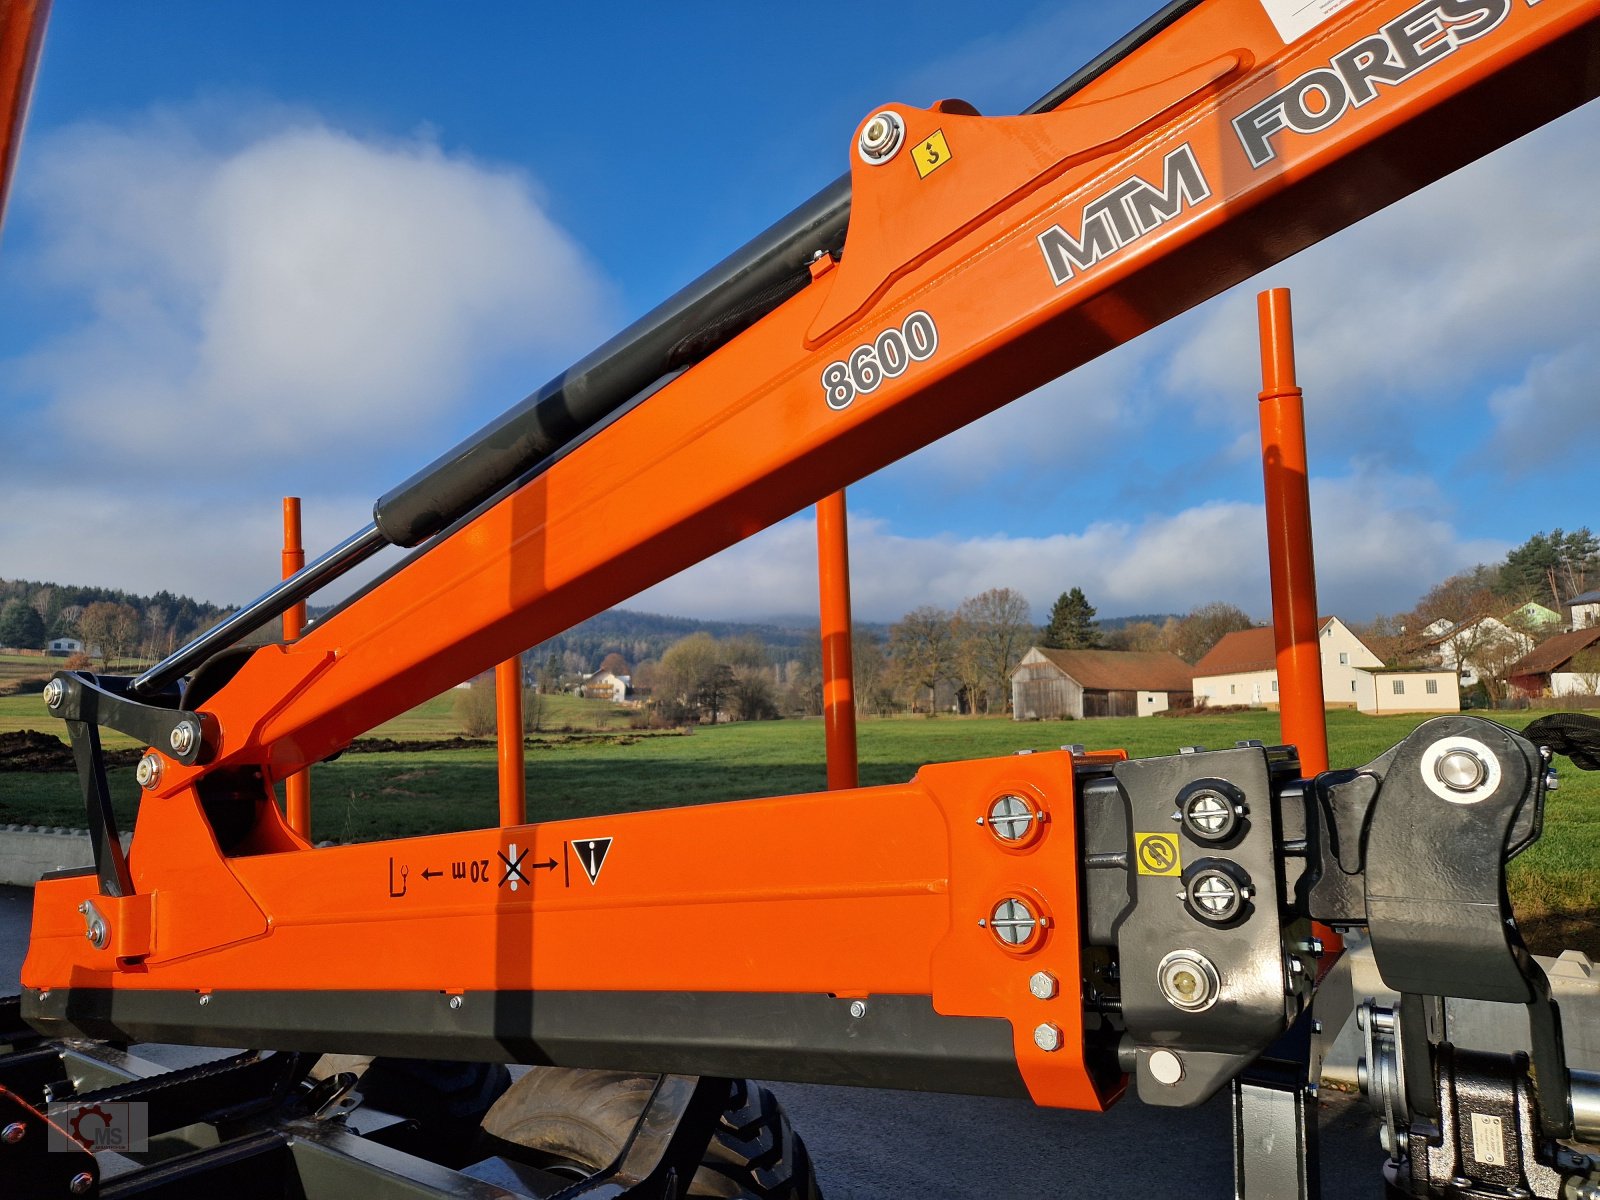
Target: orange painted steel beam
838, 671
948, 302
755, 432
1302, 713
508, 741
842, 908
296, 787
22, 25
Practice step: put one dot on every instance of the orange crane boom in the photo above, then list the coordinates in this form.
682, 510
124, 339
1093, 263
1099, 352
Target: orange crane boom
1053, 925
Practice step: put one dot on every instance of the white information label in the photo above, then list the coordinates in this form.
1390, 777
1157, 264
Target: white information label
1296, 17
1488, 1140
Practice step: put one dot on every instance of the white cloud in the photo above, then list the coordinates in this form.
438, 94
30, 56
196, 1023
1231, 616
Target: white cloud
216, 548
1483, 270
289, 289
1402, 315
286, 289
1049, 425
1381, 541
1550, 418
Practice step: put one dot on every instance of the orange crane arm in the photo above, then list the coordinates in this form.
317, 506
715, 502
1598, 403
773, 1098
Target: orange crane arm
22, 25
985, 256
1047, 924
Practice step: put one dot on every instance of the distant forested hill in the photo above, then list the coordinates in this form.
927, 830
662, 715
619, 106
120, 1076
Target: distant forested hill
165, 621
1107, 624
638, 636
150, 625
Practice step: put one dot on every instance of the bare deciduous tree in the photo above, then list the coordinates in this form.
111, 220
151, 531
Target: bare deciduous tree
475, 707
1494, 653
1205, 627
1459, 599
873, 690
921, 647
967, 663
692, 671
733, 676
1391, 638
112, 627
753, 697
998, 625
1142, 635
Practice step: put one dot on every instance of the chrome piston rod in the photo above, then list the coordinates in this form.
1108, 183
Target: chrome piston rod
355, 549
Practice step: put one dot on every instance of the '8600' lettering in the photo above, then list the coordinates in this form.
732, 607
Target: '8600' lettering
885, 357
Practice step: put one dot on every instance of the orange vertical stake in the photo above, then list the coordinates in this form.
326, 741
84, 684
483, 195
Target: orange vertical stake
508, 739
1301, 713
296, 787
838, 679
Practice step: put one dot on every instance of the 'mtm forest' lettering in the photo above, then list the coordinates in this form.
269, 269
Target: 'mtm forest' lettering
1410, 43
1124, 215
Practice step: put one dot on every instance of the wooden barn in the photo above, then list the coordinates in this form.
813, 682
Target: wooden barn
1049, 685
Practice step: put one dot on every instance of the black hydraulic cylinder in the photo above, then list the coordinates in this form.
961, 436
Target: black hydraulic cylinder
733, 295
727, 299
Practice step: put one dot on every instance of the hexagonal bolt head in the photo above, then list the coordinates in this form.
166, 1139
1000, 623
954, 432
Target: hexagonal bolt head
455, 1002
54, 694
81, 1183
148, 772
13, 1133
858, 1008
1043, 985
182, 737
1047, 1037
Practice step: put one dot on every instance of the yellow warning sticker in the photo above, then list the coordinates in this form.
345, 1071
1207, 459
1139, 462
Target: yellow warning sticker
1157, 853
931, 153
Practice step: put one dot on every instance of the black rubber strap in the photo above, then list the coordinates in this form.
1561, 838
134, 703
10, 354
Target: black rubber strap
1573, 734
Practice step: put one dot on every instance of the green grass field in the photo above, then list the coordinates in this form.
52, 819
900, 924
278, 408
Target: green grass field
432, 720
28, 712
15, 669
362, 797
436, 718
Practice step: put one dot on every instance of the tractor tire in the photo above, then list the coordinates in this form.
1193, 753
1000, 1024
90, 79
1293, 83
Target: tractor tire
575, 1122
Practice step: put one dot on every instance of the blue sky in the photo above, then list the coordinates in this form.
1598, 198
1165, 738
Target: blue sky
301, 248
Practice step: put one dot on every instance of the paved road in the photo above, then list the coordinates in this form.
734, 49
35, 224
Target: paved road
875, 1145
